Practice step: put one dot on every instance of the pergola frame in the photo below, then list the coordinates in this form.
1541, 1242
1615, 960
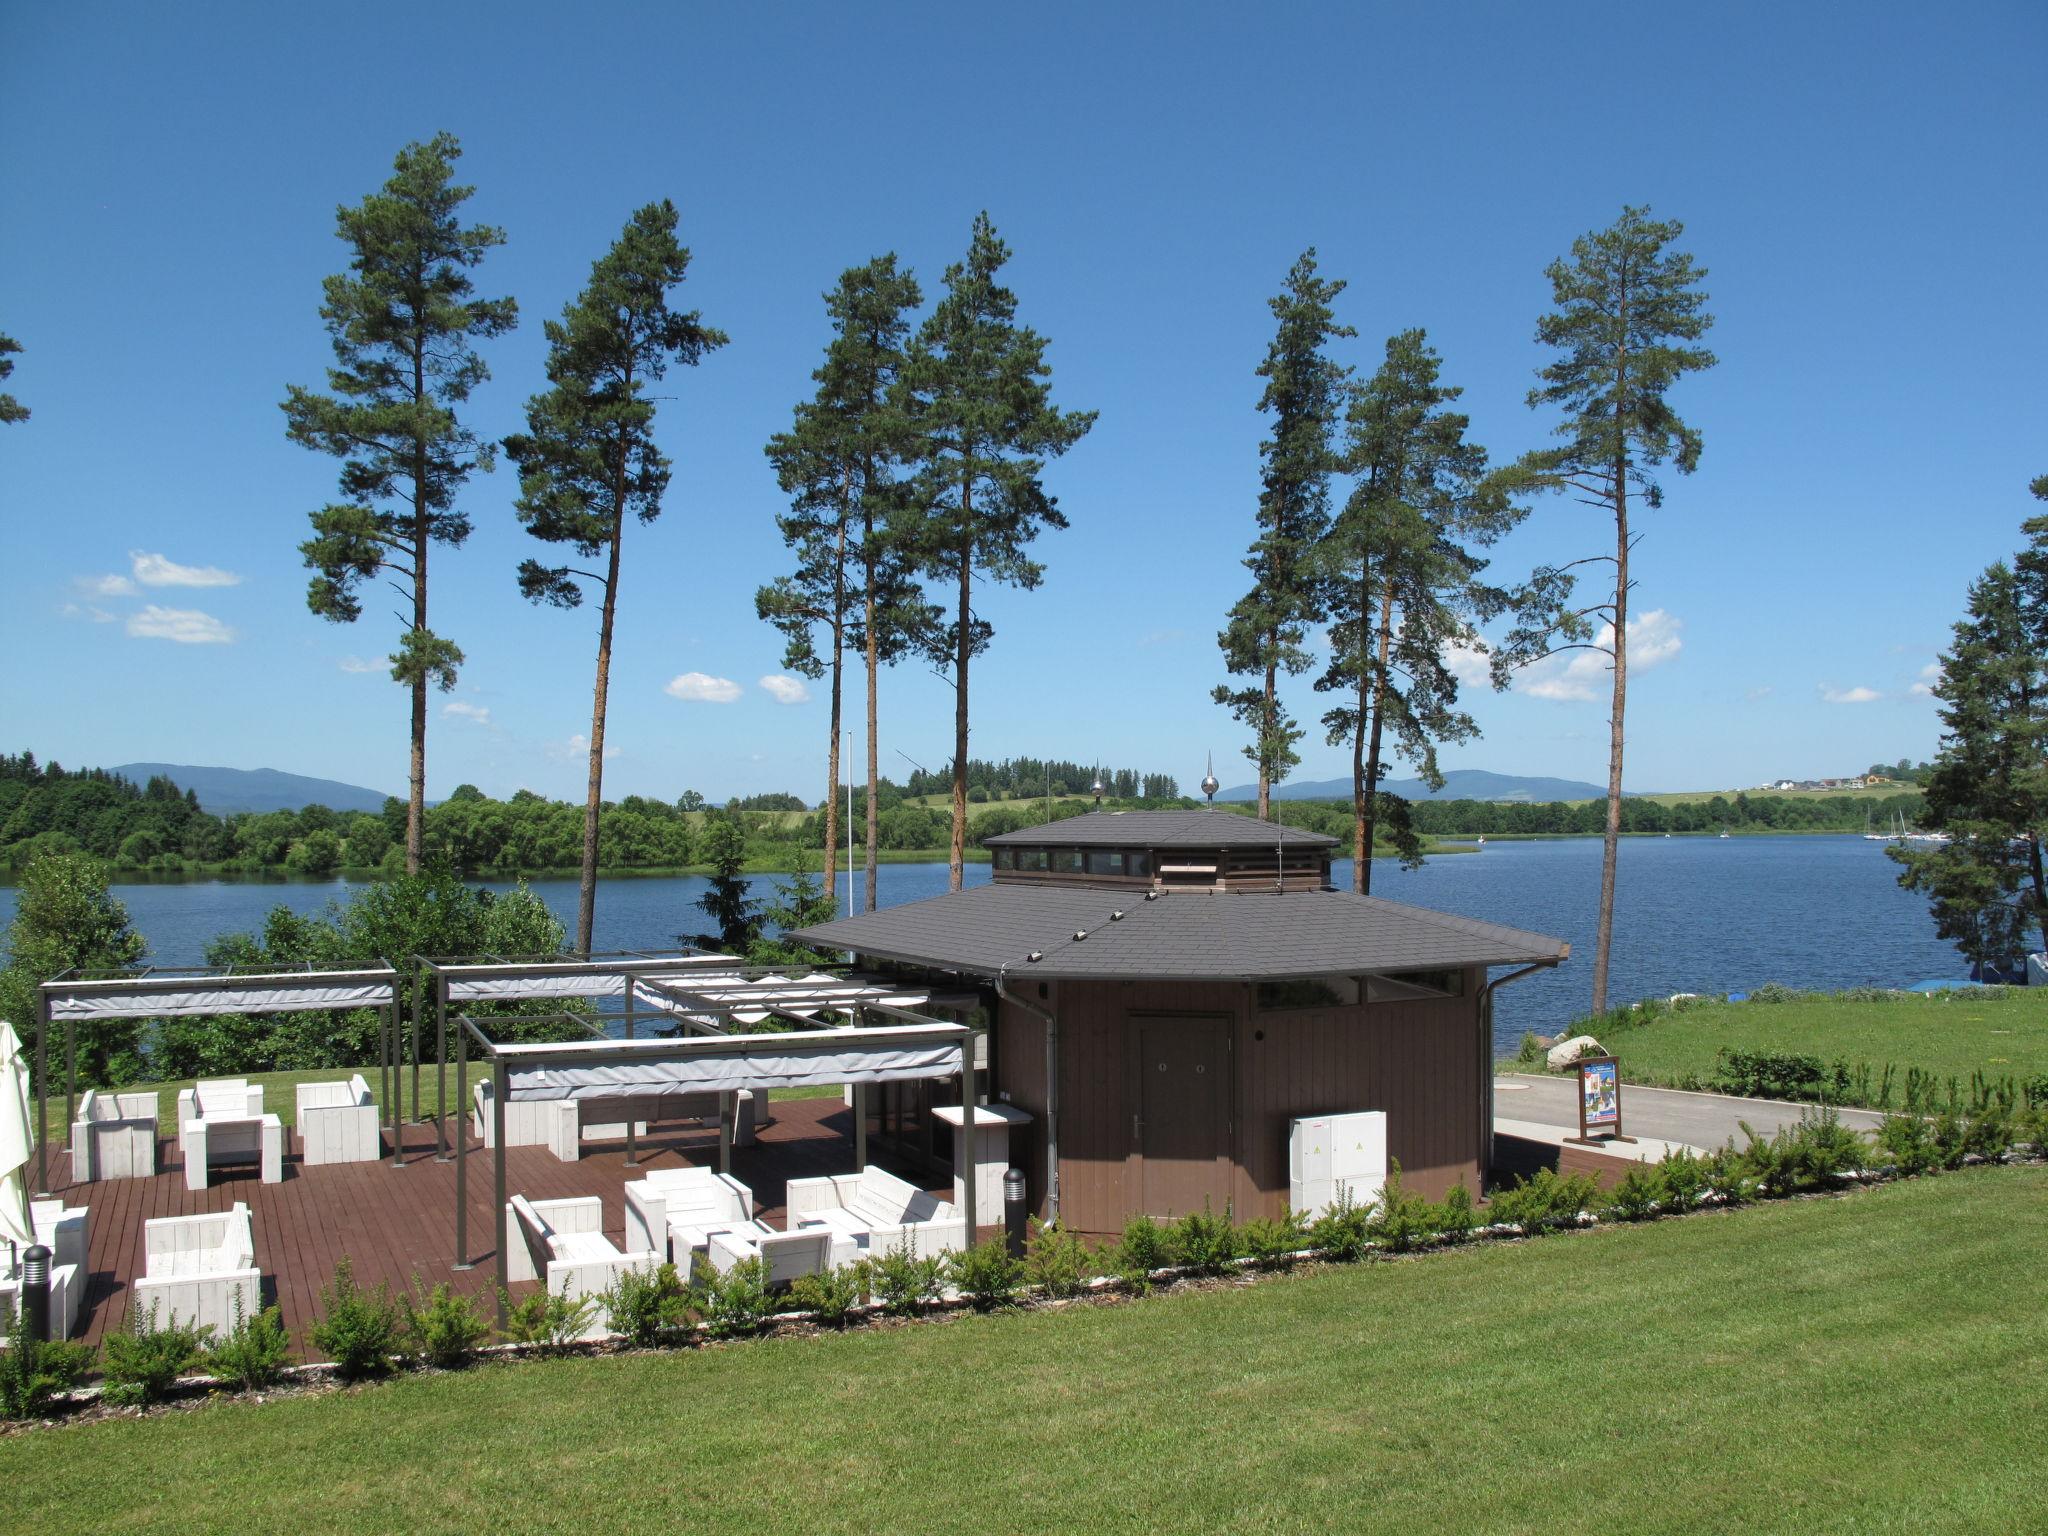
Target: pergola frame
155, 992
906, 1030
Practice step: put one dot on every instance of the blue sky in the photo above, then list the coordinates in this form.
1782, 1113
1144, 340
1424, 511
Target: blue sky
1863, 183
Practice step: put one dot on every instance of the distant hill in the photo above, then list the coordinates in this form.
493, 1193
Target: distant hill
226, 791
1459, 784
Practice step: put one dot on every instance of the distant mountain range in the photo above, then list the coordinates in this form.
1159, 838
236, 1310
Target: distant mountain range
1459, 784
227, 791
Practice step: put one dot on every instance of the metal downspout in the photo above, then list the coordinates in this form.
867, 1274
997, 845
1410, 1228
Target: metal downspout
1052, 1090
1486, 1055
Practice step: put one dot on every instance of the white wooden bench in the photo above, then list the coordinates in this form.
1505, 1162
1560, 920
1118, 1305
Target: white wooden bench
562, 1243
114, 1137
197, 1268
876, 1212
563, 1125
337, 1122
673, 1211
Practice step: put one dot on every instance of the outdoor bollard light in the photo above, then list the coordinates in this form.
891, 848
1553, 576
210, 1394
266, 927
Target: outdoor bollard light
35, 1291
1013, 1211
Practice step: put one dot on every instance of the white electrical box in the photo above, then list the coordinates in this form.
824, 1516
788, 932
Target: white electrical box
1327, 1154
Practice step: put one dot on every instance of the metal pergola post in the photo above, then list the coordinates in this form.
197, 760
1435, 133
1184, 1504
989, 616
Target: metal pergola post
461, 1153
632, 1151
413, 1034
500, 1087
42, 1093
441, 1075
392, 1015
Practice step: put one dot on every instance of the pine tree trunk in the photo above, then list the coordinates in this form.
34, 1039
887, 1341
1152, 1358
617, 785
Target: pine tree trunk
874, 679
956, 870
1372, 753
593, 800
1611, 849
416, 772
830, 882
1269, 731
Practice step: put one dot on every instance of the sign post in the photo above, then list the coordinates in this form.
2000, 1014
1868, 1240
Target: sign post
1599, 1101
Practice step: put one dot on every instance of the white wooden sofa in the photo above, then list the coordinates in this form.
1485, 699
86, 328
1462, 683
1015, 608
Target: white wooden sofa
337, 1123
673, 1211
806, 1251
62, 1229
562, 1243
198, 1267
114, 1137
562, 1125
875, 1212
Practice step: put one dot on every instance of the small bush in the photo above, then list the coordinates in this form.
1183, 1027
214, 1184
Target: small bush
1638, 1195
550, 1319
1275, 1239
1459, 1213
442, 1328
1203, 1241
143, 1360
1344, 1231
833, 1296
1905, 1143
1531, 1052
986, 1275
1683, 1179
642, 1304
361, 1331
1546, 1202
1056, 1262
1403, 1220
735, 1303
253, 1353
903, 1283
33, 1373
1143, 1248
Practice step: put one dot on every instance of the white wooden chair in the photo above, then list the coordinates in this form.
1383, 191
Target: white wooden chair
196, 1268
337, 1122
785, 1254
673, 1210
562, 1243
114, 1137
876, 1212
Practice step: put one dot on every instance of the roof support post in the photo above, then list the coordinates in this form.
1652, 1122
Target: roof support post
500, 1086
1051, 1021
728, 1106
860, 1125
392, 1015
970, 1141
461, 1140
70, 1077
43, 1093
412, 1035
632, 1150
441, 1075
1486, 1055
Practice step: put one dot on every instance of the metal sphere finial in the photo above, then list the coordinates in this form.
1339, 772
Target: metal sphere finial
1209, 784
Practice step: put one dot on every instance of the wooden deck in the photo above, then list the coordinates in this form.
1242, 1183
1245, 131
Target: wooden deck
395, 1223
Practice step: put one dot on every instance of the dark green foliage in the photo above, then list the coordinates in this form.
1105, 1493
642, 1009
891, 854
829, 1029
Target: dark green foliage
1267, 630
1204, 1241
1546, 1202
1682, 1179
1344, 1230
734, 1304
142, 1360
1144, 1247
641, 1305
64, 916
403, 320
1907, 1143
800, 900
833, 1296
1813, 1155
442, 1328
11, 409
1275, 1239
1057, 1263
253, 1353
1403, 1220
361, 1331
551, 1319
903, 1283
729, 902
985, 1275
1639, 1194
33, 1372
1458, 1214
975, 392
1778, 1075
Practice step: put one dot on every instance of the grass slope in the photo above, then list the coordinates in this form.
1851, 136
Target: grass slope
1865, 1363
2001, 1032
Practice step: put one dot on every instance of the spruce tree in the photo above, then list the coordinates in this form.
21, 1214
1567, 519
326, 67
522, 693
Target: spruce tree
403, 320
11, 409
588, 461
1629, 312
1401, 586
976, 390
1267, 632
838, 465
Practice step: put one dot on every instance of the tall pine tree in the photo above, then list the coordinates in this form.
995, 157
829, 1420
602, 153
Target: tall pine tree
838, 463
976, 389
1401, 586
588, 461
403, 320
1267, 632
1629, 312
11, 409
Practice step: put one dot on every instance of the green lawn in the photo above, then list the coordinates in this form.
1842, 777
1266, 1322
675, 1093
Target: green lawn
1865, 1363
2002, 1033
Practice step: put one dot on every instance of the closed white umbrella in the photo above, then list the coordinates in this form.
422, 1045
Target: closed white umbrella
17, 1145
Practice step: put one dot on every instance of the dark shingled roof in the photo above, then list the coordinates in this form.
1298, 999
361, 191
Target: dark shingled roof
1236, 935
1160, 829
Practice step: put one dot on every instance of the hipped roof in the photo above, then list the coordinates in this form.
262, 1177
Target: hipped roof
1159, 829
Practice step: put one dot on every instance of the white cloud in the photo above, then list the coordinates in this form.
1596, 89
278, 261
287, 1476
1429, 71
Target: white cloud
702, 688
1764, 691
356, 664
786, 689
1859, 695
1929, 676
91, 611
186, 626
1653, 639
577, 748
1469, 664
157, 571
104, 586
461, 709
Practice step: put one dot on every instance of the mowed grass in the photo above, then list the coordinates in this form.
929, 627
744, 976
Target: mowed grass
1870, 1362
2001, 1032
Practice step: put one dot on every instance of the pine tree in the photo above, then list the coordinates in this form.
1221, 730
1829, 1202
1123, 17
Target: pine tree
1629, 307
976, 389
403, 320
1401, 586
837, 463
11, 409
1267, 632
588, 461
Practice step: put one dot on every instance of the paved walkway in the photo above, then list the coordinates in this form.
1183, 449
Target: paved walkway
1698, 1119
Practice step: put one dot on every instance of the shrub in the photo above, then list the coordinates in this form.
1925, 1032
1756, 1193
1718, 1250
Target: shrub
1682, 1179
254, 1352
985, 1274
1203, 1241
1403, 1220
1771, 1075
1989, 1133
640, 1304
1638, 1195
360, 1331
1458, 1214
32, 1372
904, 1283
1951, 1138
143, 1360
833, 1296
550, 1319
1143, 1248
1904, 1142
1531, 1052
1344, 1230
1275, 1239
1546, 1202
735, 1303
442, 1328
1057, 1261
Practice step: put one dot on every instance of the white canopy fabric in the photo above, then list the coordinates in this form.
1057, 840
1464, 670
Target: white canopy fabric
184, 999
17, 1142
797, 1066
492, 989
755, 999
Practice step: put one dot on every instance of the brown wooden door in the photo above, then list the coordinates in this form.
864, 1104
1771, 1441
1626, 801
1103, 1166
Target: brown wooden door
1181, 1131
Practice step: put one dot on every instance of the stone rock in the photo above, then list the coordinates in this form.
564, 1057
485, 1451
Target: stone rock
1565, 1052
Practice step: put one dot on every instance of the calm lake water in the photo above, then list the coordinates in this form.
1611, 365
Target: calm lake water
1694, 914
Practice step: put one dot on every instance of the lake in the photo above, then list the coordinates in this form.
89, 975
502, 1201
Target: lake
1693, 914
